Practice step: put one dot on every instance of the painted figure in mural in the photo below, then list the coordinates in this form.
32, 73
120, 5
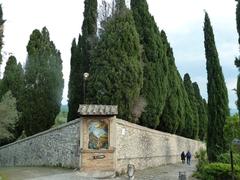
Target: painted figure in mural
188, 155
183, 157
98, 135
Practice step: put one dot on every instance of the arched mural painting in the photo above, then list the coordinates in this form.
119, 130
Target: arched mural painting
98, 135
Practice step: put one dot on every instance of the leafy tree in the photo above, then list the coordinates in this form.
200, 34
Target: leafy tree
116, 72
231, 129
13, 80
81, 57
44, 83
60, 119
173, 116
217, 95
1, 32
8, 118
202, 112
193, 104
155, 65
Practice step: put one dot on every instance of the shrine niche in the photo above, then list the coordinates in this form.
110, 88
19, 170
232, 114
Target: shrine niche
98, 135
98, 140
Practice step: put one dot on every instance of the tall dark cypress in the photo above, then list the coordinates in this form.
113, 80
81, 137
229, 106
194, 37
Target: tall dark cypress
44, 83
89, 31
237, 60
81, 58
1, 32
188, 130
217, 95
238, 19
155, 65
76, 74
173, 116
202, 113
193, 104
116, 71
72, 89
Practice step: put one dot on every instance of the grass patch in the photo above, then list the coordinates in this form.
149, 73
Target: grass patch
3, 177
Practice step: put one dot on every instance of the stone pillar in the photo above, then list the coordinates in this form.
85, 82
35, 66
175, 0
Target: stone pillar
98, 139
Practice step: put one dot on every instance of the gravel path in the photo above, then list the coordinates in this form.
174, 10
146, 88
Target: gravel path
168, 172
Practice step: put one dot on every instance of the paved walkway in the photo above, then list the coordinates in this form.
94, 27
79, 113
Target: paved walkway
168, 172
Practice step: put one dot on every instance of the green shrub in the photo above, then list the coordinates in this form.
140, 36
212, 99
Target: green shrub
231, 129
225, 158
201, 156
3, 177
60, 119
219, 171
9, 117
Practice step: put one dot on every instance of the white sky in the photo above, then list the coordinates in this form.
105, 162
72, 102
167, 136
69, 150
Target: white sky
181, 20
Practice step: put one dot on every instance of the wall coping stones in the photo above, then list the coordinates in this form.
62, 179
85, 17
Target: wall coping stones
44, 132
147, 157
136, 126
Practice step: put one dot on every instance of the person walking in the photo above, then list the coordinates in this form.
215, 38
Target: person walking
188, 155
183, 157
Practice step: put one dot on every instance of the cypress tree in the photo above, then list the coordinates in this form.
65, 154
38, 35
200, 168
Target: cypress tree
188, 130
81, 54
217, 95
155, 65
202, 113
193, 104
44, 83
237, 60
1, 32
76, 75
73, 90
238, 88
238, 19
0, 87
13, 79
173, 116
89, 31
116, 72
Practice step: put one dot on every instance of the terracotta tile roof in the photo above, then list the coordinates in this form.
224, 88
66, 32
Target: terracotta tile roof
92, 109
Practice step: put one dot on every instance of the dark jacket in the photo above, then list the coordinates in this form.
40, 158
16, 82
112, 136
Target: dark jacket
188, 155
183, 156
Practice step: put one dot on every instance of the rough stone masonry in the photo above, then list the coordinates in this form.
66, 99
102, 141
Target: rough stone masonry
128, 143
55, 147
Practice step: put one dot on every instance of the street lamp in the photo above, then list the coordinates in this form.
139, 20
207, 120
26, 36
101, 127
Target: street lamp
85, 76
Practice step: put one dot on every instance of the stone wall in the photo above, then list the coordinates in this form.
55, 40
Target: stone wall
145, 147
55, 147
66, 146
